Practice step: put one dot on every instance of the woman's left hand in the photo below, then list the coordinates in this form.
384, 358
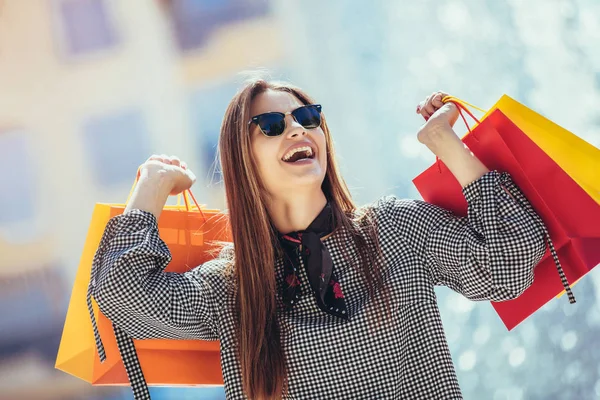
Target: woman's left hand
437, 134
439, 117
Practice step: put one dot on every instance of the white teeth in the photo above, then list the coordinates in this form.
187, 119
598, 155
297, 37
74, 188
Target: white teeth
290, 153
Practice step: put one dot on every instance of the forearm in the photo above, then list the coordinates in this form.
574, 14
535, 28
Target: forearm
448, 147
131, 288
150, 194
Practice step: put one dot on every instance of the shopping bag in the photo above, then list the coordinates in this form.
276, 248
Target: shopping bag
192, 234
571, 215
578, 158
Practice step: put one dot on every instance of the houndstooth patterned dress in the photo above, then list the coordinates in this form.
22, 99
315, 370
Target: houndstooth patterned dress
490, 255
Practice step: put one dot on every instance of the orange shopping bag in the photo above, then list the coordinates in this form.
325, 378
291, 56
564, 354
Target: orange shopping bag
192, 234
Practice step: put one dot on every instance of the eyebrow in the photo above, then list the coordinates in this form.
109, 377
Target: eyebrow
281, 112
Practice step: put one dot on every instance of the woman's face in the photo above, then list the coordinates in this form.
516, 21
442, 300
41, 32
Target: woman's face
282, 177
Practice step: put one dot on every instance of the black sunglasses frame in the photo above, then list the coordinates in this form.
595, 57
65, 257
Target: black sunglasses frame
256, 118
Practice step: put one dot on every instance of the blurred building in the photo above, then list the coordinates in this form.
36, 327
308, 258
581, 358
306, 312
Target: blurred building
90, 88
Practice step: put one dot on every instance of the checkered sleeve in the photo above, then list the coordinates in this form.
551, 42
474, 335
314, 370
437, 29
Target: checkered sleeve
132, 289
488, 255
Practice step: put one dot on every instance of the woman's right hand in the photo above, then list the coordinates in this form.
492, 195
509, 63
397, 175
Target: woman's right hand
170, 171
159, 177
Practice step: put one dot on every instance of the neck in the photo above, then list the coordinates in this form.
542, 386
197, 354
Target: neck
296, 211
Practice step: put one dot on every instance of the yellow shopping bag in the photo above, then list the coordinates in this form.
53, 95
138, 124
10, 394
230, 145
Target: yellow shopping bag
77, 347
578, 158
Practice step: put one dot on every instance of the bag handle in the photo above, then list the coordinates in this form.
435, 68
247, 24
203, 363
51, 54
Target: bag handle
464, 103
183, 195
462, 107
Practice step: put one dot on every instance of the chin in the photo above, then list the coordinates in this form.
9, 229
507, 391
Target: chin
288, 179
308, 179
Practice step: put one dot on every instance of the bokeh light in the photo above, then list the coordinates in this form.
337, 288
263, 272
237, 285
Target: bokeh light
90, 88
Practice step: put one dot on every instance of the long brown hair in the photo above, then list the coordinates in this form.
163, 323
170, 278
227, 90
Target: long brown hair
259, 335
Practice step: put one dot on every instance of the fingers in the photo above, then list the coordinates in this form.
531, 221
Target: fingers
426, 109
431, 104
172, 167
163, 158
173, 160
155, 157
169, 160
436, 100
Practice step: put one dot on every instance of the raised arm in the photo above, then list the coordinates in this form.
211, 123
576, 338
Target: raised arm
128, 279
491, 253
488, 255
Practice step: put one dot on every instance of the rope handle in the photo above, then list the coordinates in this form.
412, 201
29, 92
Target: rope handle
183, 195
462, 107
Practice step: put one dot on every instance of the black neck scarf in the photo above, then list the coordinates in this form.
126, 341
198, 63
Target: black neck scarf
319, 266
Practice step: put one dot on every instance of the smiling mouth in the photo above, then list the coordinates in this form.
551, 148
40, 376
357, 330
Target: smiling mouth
298, 154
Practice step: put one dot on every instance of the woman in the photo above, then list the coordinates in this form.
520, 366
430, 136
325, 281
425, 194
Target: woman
319, 299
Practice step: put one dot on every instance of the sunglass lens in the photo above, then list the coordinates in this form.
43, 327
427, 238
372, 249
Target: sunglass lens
308, 116
272, 124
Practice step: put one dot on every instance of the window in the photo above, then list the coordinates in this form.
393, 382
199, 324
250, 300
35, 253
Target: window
195, 20
17, 178
85, 26
115, 146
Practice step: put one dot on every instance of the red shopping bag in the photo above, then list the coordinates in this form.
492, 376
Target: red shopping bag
571, 216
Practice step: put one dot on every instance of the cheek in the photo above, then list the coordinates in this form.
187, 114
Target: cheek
322, 143
265, 155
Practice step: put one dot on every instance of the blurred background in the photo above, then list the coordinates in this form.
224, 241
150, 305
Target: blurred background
90, 88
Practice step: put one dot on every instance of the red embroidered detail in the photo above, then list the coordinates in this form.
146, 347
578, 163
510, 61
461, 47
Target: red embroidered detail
292, 280
337, 290
291, 239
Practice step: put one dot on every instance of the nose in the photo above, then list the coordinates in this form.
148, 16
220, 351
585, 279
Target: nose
293, 128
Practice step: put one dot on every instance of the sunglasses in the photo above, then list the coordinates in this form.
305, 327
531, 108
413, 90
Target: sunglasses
273, 123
